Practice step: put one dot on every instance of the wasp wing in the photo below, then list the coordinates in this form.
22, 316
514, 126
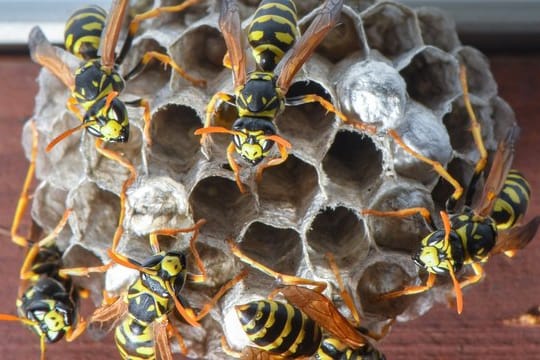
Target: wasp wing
321, 310
50, 57
308, 42
161, 339
109, 37
499, 170
231, 28
516, 238
106, 317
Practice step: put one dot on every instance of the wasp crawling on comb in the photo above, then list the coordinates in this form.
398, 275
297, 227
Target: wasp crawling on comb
487, 227
261, 95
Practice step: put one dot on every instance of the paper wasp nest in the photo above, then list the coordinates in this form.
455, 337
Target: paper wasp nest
386, 64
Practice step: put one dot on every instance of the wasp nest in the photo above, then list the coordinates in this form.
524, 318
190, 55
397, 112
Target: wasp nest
386, 64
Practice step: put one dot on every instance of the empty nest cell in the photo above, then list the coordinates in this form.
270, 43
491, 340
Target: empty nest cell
392, 29
340, 232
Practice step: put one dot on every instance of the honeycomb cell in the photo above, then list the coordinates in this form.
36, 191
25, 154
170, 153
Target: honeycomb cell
174, 145
503, 117
381, 277
479, 78
432, 78
391, 29
340, 232
346, 38
200, 52
107, 173
371, 91
94, 218
353, 165
155, 203
461, 170
283, 247
307, 127
437, 28
139, 85
77, 256
359, 5
226, 210
290, 187
421, 130
400, 234
48, 206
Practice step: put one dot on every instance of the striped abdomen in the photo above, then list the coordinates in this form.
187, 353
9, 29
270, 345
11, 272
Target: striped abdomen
279, 328
83, 30
334, 349
134, 340
512, 202
272, 32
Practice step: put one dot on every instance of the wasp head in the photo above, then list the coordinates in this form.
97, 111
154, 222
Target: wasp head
251, 138
109, 122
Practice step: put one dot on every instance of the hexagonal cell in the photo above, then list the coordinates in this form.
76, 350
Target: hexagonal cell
138, 84
77, 256
461, 170
352, 162
225, 209
400, 234
438, 29
432, 78
340, 232
371, 91
379, 278
458, 124
359, 5
290, 187
173, 142
392, 29
307, 126
48, 206
186, 51
422, 131
279, 249
503, 117
479, 78
107, 172
344, 39
94, 218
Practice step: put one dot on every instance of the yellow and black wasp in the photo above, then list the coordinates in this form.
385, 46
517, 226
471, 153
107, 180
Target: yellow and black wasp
82, 33
96, 84
261, 95
141, 314
48, 300
488, 227
294, 329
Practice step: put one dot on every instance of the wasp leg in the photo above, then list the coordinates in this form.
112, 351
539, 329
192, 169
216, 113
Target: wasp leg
174, 332
209, 305
84, 271
210, 113
154, 243
345, 295
24, 197
228, 350
235, 167
360, 125
476, 131
72, 334
135, 23
115, 156
283, 279
165, 60
437, 166
284, 154
72, 105
478, 275
410, 290
403, 213
147, 132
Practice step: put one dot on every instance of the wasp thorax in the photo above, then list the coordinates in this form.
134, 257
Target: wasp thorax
259, 96
94, 81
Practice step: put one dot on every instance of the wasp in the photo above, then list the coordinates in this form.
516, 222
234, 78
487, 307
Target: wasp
96, 83
295, 329
83, 30
261, 95
487, 227
141, 315
48, 300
